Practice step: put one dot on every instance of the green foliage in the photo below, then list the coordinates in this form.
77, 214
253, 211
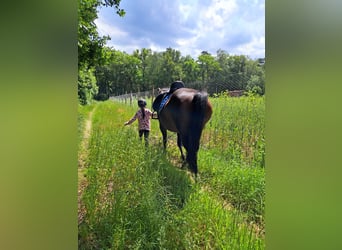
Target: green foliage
123, 74
190, 69
90, 44
209, 67
144, 56
87, 87
256, 83
171, 66
144, 70
237, 128
91, 52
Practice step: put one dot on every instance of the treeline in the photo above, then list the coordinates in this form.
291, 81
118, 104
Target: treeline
144, 69
105, 72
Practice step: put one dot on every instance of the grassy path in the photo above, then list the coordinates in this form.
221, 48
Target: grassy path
82, 161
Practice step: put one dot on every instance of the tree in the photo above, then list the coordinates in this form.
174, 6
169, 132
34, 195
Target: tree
144, 70
256, 82
190, 69
87, 87
171, 67
154, 70
208, 68
237, 78
254, 85
144, 55
104, 82
90, 44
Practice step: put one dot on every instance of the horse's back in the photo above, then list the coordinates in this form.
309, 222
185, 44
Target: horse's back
179, 110
185, 93
186, 96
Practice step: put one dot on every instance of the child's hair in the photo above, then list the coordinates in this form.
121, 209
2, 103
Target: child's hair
142, 105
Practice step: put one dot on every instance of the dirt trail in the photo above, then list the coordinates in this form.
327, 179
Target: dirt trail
82, 164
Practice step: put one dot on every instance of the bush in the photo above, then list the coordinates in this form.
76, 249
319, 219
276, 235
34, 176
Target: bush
87, 87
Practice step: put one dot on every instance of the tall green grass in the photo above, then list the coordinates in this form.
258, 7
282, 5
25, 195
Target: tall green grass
205, 223
237, 129
137, 199
232, 158
242, 186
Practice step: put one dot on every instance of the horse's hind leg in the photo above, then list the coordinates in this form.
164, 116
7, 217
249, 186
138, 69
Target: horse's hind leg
179, 143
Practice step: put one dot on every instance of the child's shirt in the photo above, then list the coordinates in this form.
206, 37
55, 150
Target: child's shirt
144, 123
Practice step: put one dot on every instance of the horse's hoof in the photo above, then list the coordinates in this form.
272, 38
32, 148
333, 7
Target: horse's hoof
184, 165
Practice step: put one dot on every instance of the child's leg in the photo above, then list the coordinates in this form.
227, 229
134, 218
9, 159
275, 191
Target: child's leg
146, 134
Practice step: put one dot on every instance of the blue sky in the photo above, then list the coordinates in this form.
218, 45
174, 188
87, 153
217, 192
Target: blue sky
190, 26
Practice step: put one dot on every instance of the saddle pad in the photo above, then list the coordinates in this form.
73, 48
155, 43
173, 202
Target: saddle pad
165, 100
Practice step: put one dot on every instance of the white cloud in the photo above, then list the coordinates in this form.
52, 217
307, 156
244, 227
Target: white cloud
186, 10
188, 46
105, 28
255, 47
216, 15
190, 26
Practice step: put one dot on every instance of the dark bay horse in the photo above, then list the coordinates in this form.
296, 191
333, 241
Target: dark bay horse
184, 111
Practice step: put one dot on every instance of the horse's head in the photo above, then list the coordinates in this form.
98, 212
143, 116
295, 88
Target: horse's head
163, 90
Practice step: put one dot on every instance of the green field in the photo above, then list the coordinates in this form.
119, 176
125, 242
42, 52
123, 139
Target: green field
139, 198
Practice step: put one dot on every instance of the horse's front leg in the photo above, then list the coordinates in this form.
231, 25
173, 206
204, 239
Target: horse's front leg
179, 143
164, 133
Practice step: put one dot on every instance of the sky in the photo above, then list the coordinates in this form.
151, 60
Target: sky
190, 26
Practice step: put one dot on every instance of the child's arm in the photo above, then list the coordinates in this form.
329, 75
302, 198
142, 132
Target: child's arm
132, 120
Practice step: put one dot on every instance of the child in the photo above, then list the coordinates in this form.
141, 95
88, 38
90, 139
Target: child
144, 115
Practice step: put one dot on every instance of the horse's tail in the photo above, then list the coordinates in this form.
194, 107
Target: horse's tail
199, 102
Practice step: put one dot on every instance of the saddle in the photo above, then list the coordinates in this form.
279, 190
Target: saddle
162, 99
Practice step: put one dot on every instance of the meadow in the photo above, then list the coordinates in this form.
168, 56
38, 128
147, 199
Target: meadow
140, 198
